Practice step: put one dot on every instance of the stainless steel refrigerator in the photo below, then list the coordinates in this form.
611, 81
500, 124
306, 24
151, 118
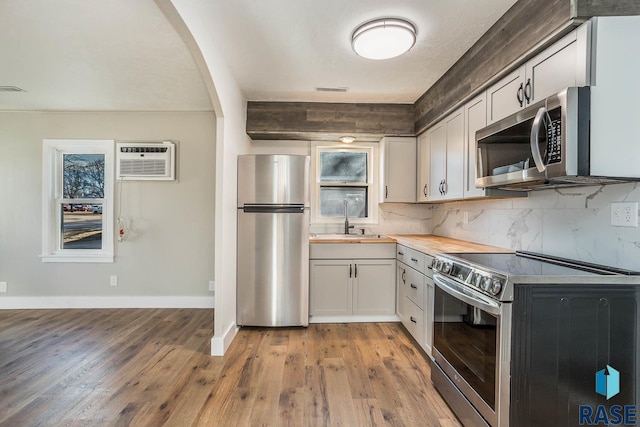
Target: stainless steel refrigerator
273, 240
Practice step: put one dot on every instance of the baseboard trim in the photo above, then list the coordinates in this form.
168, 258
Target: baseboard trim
354, 319
220, 344
21, 303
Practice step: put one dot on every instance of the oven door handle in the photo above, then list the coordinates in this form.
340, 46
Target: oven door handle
459, 292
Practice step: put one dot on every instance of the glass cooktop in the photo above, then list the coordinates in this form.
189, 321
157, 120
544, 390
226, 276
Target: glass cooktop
531, 264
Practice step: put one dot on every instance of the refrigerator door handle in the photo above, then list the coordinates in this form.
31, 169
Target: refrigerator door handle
273, 208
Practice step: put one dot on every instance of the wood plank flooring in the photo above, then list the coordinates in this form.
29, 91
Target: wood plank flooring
151, 367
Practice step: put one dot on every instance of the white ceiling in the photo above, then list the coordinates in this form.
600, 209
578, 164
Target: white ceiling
124, 55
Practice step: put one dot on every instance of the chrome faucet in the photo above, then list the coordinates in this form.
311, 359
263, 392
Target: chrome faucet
347, 227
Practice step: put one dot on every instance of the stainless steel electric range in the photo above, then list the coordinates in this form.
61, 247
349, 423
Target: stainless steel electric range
518, 337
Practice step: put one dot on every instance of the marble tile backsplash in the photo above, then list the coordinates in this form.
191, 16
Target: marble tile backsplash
572, 223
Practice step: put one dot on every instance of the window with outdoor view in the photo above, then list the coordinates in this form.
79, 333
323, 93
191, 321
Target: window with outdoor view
78, 200
343, 183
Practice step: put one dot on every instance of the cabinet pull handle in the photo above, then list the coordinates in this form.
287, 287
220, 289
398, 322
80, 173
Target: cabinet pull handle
350, 271
356, 270
414, 260
527, 91
400, 253
386, 191
424, 190
520, 95
403, 273
413, 319
413, 286
444, 187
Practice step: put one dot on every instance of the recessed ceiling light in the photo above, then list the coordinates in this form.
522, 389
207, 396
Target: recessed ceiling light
383, 38
347, 139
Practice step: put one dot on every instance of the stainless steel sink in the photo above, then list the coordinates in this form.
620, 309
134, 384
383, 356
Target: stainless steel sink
333, 236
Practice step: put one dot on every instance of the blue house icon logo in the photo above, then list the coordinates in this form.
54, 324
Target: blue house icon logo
608, 382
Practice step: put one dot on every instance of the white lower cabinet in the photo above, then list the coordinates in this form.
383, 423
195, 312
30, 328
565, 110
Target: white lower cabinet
414, 290
352, 289
373, 290
331, 287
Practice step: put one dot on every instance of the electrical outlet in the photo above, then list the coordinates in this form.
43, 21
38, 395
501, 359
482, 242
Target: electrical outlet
113, 281
624, 214
3, 286
212, 285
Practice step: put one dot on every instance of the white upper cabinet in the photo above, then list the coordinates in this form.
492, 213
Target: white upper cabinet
424, 166
398, 169
446, 154
475, 113
563, 64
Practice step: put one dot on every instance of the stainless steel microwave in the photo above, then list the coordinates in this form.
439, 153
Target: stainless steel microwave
545, 144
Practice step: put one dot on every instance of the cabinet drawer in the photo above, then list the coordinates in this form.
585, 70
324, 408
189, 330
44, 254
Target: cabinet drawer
414, 320
411, 257
413, 282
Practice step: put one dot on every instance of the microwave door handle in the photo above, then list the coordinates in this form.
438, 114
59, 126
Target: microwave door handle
538, 122
479, 170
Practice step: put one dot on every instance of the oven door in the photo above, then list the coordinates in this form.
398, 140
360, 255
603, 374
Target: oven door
471, 345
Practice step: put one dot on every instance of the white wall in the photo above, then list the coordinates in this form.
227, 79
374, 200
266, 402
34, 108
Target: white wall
167, 257
190, 19
572, 223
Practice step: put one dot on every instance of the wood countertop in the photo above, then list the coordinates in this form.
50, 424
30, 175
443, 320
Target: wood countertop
426, 243
432, 245
350, 239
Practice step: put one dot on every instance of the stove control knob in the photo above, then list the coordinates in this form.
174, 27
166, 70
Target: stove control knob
496, 286
486, 284
446, 267
477, 279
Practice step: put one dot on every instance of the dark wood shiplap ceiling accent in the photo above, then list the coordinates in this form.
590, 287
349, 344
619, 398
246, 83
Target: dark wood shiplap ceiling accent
529, 26
324, 121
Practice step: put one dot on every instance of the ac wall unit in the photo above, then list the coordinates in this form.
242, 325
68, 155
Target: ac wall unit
145, 161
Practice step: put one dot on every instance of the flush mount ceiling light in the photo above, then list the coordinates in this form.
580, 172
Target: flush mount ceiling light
383, 38
347, 139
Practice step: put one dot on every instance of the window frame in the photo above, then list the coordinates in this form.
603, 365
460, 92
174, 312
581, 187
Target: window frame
53, 151
372, 188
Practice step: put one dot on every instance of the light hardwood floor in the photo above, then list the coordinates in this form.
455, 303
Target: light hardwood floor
151, 367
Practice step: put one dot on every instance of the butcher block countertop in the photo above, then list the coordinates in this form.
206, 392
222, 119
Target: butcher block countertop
350, 238
431, 245
425, 243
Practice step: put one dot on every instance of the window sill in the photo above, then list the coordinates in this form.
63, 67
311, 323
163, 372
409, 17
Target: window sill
101, 258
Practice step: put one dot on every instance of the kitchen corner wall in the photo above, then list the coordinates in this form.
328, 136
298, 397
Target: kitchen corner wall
572, 223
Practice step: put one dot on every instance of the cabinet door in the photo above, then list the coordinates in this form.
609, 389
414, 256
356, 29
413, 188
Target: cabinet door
475, 119
401, 283
428, 315
374, 286
330, 287
423, 168
502, 97
556, 68
437, 137
399, 170
454, 160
